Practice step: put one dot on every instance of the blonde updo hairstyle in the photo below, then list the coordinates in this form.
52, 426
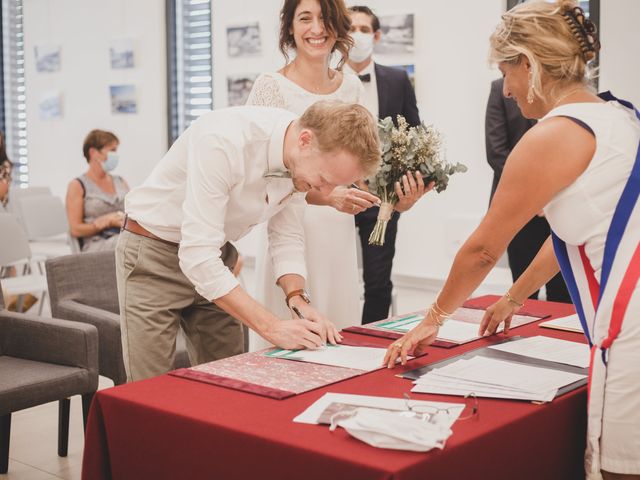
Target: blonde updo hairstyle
556, 38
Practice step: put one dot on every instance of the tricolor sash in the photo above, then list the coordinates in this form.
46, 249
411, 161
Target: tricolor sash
604, 302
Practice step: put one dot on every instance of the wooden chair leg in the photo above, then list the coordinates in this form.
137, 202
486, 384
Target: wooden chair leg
64, 406
86, 404
5, 435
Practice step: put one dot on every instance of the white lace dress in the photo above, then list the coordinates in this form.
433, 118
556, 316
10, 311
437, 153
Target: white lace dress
330, 236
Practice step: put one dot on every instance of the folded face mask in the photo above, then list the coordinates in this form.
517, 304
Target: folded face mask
395, 430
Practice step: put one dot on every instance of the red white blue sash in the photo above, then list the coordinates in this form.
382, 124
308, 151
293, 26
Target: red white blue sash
587, 294
602, 306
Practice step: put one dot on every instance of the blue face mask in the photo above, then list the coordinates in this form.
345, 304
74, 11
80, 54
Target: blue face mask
111, 162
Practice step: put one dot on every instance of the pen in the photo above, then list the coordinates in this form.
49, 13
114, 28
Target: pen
297, 312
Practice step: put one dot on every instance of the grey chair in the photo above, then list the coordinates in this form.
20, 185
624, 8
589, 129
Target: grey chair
83, 288
44, 360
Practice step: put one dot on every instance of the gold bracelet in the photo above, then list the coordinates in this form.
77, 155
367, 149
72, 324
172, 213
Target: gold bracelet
513, 300
440, 310
439, 319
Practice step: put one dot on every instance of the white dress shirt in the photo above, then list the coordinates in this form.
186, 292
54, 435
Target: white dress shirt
370, 95
219, 180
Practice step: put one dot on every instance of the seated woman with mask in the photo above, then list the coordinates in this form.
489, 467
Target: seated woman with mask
95, 199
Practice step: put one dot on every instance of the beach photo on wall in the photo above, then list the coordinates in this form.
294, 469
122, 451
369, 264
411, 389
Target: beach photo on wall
121, 53
244, 40
238, 88
47, 58
123, 99
50, 106
397, 34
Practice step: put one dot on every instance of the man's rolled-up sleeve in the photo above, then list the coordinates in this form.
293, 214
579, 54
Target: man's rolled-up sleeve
210, 178
286, 239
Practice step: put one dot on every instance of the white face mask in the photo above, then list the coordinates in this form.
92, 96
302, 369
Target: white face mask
384, 429
362, 46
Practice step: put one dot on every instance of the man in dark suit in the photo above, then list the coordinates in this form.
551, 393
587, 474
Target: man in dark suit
504, 126
388, 92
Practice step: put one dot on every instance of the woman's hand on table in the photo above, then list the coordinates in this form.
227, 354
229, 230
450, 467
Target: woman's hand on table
501, 311
413, 343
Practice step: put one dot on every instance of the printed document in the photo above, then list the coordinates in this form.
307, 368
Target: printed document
347, 356
569, 324
546, 348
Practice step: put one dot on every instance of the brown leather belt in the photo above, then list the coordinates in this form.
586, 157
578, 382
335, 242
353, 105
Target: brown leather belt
130, 225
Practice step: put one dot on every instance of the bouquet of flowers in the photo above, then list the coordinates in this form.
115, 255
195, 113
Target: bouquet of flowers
406, 149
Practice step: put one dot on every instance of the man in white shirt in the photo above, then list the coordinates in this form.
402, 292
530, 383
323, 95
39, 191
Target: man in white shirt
387, 93
232, 169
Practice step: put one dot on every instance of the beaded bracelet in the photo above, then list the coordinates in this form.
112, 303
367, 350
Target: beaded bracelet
512, 300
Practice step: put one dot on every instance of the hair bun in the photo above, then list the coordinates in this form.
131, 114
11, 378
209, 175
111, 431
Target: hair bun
584, 31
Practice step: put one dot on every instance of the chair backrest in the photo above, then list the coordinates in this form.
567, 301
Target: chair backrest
89, 278
15, 244
43, 216
16, 194
30, 192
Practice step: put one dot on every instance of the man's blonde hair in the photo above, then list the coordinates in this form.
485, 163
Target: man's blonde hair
551, 38
345, 126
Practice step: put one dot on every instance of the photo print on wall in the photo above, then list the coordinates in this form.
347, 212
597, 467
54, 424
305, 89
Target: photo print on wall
47, 58
123, 99
244, 40
397, 34
121, 53
239, 87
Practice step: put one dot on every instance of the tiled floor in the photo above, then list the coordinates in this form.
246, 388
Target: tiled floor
33, 452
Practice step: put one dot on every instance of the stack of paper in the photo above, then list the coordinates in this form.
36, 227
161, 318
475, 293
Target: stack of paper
551, 349
489, 377
570, 323
360, 358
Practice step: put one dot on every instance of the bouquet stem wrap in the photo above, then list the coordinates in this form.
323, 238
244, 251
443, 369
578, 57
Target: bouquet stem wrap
380, 229
406, 150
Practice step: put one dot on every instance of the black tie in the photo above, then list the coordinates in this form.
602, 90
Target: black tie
365, 78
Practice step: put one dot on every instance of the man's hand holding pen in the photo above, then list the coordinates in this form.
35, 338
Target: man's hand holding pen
302, 310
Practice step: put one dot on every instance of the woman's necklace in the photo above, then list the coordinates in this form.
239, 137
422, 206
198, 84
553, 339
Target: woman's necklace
311, 86
566, 95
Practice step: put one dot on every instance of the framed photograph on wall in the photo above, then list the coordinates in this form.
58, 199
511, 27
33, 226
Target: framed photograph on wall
50, 106
121, 53
123, 99
238, 88
244, 40
397, 34
47, 58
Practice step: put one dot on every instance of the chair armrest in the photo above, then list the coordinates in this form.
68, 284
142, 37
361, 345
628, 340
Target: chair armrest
49, 340
105, 321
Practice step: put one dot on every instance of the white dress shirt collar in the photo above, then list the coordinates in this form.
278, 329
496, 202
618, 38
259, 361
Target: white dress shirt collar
275, 159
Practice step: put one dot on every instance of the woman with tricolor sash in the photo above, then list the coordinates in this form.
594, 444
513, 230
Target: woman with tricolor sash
579, 164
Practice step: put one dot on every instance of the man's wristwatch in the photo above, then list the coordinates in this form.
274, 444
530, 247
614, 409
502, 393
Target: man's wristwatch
298, 293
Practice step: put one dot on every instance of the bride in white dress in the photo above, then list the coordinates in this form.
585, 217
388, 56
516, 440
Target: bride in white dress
330, 234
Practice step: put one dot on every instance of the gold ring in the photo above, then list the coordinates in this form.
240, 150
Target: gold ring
397, 345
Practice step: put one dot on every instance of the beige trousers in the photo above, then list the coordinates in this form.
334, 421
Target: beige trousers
156, 299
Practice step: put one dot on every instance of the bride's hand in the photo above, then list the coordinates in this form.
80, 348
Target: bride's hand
351, 200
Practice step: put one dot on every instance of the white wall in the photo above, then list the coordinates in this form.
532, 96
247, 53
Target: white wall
84, 30
619, 65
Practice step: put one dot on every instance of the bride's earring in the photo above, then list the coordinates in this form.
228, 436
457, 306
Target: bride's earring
531, 91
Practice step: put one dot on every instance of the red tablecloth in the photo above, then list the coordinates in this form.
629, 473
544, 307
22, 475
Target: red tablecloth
169, 427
